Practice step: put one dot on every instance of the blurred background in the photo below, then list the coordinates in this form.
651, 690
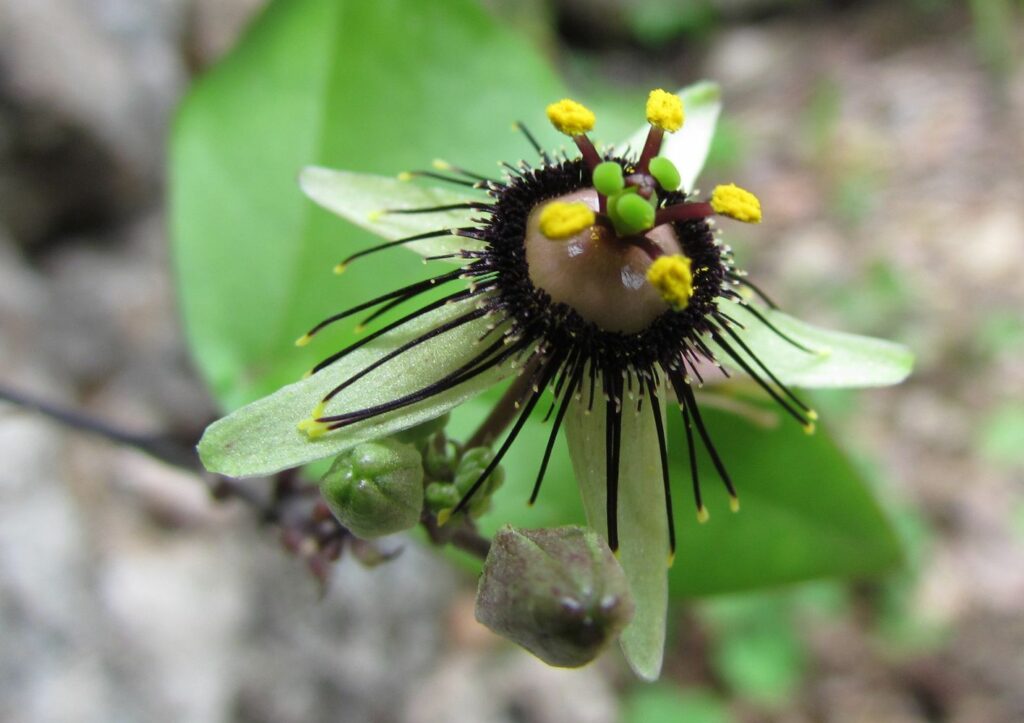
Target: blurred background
886, 140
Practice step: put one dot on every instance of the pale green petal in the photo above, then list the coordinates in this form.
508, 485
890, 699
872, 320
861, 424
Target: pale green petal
359, 197
262, 438
643, 526
688, 148
838, 359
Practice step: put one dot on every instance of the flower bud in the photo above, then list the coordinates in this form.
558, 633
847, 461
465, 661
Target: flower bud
560, 593
473, 464
376, 488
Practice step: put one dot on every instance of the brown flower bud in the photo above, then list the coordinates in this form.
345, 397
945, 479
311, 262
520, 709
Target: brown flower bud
560, 593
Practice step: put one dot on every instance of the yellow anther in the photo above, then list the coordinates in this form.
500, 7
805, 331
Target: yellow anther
303, 340
702, 514
734, 504
559, 220
570, 117
312, 427
734, 202
665, 110
672, 277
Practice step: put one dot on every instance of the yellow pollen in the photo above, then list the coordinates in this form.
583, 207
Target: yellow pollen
570, 117
671, 276
665, 110
734, 202
734, 504
303, 340
559, 220
702, 514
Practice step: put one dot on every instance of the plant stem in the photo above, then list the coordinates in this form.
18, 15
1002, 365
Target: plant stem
504, 411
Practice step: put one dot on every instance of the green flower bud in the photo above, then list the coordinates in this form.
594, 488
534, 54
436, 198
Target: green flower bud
376, 488
471, 466
560, 593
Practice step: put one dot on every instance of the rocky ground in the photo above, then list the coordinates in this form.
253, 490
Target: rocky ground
892, 159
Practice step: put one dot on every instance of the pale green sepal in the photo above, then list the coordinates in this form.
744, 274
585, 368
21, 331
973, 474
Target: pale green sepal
688, 147
643, 527
360, 198
838, 359
262, 438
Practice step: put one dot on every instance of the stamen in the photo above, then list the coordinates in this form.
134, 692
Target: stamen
559, 220
409, 175
521, 127
684, 392
442, 165
663, 452
406, 292
340, 268
737, 203
672, 278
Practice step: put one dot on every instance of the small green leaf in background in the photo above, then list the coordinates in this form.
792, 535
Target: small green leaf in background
663, 703
757, 650
1001, 434
366, 86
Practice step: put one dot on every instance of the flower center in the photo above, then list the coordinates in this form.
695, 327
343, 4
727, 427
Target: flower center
599, 275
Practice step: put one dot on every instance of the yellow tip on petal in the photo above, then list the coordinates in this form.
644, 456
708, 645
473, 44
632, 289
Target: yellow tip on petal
441, 165
405, 176
702, 514
570, 117
443, 516
374, 216
812, 415
810, 428
360, 328
308, 374
672, 558
665, 110
734, 504
672, 277
312, 427
340, 269
735, 202
559, 220
303, 340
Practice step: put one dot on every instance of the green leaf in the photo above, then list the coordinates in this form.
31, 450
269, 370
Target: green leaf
372, 87
360, 198
642, 523
806, 512
263, 438
836, 359
688, 148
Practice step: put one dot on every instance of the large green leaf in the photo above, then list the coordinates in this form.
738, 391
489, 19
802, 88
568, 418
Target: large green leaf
806, 511
367, 86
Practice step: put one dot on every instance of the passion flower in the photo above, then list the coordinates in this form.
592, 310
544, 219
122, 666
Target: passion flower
597, 279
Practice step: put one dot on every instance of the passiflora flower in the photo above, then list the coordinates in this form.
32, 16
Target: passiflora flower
598, 280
